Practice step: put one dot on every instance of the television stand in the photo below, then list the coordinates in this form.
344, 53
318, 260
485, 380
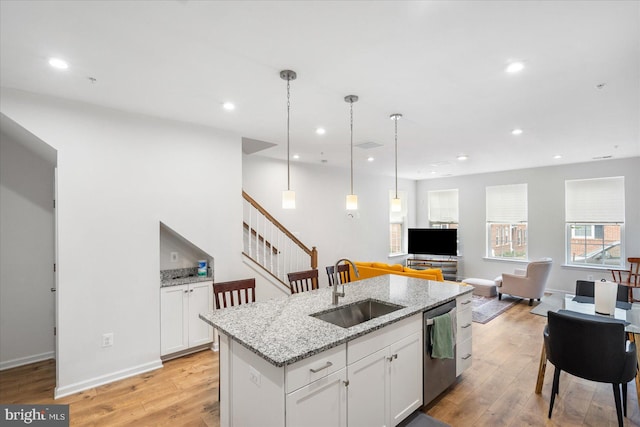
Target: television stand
449, 267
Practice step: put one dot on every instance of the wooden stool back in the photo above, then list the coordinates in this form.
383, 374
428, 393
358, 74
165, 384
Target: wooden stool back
301, 281
236, 292
344, 276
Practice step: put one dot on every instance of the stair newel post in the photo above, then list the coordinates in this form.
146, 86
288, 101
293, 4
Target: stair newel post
314, 257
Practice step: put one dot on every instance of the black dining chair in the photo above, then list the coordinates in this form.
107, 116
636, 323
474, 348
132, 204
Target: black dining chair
590, 347
587, 289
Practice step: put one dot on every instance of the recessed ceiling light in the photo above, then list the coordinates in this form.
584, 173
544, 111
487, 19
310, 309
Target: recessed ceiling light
320, 131
58, 63
462, 157
296, 156
557, 156
229, 106
516, 132
515, 67
370, 159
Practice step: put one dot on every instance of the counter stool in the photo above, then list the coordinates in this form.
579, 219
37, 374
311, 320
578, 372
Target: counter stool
482, 287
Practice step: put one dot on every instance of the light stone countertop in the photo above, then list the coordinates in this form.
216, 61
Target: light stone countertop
184, 280
282, 331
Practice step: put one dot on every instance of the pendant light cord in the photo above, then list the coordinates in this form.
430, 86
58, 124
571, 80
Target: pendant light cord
288, 108
396, 153
351, 103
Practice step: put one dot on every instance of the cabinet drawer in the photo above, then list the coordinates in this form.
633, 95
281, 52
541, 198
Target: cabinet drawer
463, 302
464, 328
463, 356
315, 367
381, 338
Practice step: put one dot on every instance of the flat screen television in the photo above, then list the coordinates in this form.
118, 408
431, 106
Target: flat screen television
433, 241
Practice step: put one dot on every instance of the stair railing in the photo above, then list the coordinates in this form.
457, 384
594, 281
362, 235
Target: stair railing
270, 245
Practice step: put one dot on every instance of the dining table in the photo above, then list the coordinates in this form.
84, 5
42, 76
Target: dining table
627, 312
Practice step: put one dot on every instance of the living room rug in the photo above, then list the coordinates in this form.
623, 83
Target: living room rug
487, 308
550, 302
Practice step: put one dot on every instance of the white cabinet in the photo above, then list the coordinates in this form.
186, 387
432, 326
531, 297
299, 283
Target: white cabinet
319, 404
180, 326
385, 386
200, 301
367, 391
405, 377
317, 390
463, 333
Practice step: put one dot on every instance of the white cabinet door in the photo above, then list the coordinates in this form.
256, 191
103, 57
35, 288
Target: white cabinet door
322, 403
405, 377
200, 301
174, 320
367, 391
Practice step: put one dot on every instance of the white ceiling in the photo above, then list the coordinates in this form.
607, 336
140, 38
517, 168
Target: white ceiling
439, 63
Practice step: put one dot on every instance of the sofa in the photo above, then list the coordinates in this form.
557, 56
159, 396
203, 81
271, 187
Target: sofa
373, 269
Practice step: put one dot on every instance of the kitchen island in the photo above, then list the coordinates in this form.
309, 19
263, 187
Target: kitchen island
281, 366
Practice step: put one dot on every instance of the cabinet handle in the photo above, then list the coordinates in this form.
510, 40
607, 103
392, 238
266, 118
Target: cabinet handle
466, 357
186, 291
466, 326
346, 383
191, 290
327, 365
466, 302
393, 356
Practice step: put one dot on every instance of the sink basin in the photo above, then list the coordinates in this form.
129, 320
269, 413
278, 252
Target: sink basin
357, 313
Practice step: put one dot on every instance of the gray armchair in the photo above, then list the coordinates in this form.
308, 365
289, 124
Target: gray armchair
529, 283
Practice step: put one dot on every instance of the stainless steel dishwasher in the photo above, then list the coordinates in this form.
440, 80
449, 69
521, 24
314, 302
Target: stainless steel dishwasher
438, 374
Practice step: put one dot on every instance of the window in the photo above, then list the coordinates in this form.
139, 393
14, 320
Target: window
397, 224
507, 221
443, 208
395, 237
594, 216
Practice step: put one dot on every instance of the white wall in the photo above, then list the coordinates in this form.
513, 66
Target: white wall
546, 215
320, 218
119, 175
188, 255
27, 248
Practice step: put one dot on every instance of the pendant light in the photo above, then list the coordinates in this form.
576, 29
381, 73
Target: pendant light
396, 203
288, 196
352, 199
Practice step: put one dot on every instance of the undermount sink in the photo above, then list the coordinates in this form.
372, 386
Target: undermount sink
359, 312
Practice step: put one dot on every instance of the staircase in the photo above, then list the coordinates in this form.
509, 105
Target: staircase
271, 246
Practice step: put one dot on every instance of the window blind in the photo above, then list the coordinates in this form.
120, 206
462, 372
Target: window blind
443, 205
507, 203
598, 200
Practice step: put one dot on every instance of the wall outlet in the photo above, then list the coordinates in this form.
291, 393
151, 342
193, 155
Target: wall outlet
254, 376
174, 256
590, 277
107, 339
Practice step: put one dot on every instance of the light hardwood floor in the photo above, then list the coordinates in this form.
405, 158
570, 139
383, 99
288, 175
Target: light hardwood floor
497, 391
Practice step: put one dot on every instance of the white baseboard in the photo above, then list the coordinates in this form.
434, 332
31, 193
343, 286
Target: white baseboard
14, 363
105, 379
